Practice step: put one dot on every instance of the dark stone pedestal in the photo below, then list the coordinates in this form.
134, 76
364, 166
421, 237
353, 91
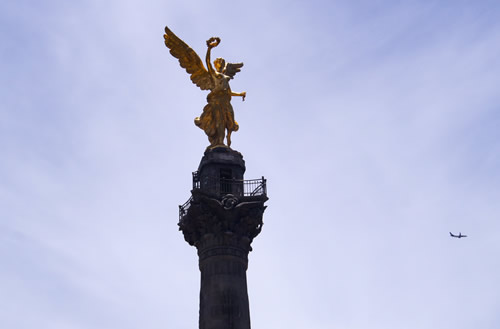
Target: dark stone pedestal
221, 219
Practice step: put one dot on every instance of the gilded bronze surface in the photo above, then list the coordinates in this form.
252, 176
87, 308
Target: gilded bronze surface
218, 115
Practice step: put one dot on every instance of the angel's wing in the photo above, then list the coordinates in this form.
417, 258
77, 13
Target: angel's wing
189, 60
232, 68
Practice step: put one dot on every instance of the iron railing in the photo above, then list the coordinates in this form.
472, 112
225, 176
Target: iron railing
236, 187
184, 208
221, 187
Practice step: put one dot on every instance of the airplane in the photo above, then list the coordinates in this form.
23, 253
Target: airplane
460, 235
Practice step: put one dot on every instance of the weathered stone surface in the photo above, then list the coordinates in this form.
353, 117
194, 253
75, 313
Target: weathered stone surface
223, 156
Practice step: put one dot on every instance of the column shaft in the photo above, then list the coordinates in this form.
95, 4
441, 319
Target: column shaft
223, 293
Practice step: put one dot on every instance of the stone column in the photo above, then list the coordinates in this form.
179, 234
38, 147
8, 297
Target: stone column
223, 262
222, 227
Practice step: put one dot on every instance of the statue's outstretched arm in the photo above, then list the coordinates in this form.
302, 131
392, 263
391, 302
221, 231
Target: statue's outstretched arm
242, 94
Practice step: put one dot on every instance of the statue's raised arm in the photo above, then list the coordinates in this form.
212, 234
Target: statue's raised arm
211, 43
218, 115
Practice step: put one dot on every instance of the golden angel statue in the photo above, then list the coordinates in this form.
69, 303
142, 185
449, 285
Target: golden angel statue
218, 115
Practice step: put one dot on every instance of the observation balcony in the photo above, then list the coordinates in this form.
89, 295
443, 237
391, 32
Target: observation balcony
217, 188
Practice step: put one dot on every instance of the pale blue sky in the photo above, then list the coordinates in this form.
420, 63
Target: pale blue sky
375, 123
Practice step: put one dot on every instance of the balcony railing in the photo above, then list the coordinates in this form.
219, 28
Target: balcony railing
236, 187
221, 187
184, 208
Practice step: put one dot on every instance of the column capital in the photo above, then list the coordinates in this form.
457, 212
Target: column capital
228, 220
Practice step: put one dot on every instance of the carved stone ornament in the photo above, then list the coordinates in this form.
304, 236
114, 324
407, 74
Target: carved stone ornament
227, 217
229, 201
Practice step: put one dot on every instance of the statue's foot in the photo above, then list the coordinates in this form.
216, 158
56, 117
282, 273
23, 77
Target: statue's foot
216, 146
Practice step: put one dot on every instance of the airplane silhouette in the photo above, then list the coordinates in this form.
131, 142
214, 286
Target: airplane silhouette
460, 235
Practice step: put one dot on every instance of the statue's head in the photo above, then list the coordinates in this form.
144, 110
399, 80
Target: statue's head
219, 64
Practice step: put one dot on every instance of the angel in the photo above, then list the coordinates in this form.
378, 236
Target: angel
218, 114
